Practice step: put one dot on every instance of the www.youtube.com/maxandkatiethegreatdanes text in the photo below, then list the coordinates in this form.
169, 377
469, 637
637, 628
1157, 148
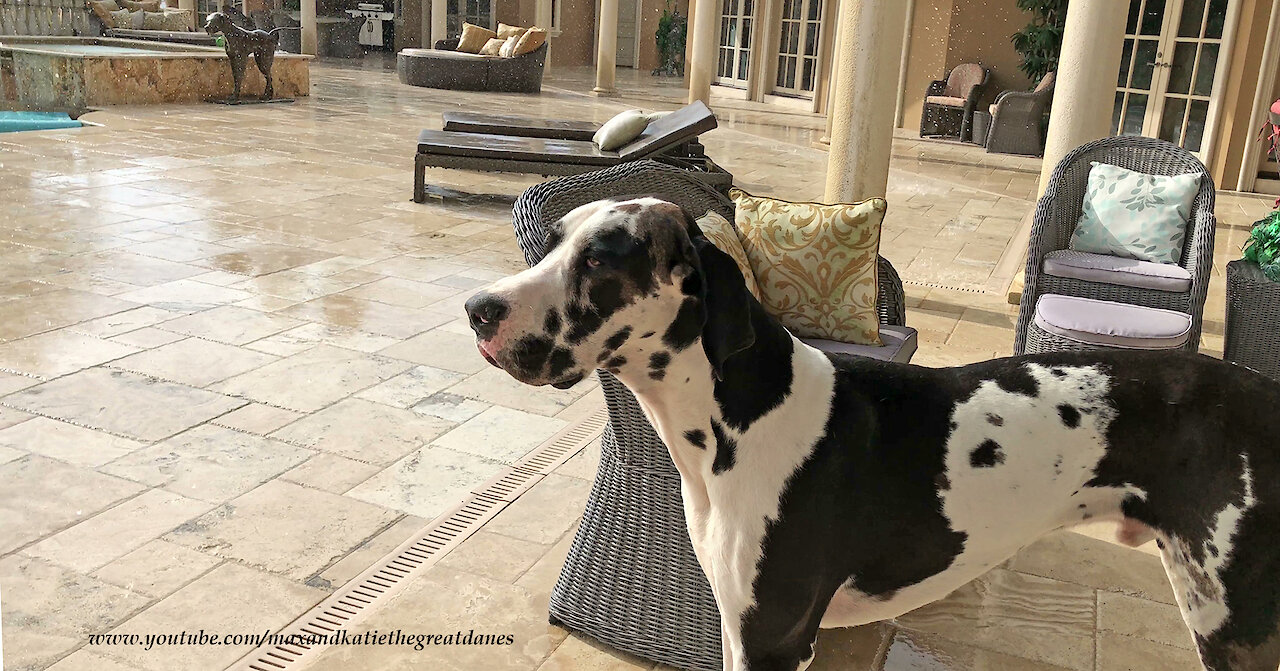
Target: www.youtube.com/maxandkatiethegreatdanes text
339, 637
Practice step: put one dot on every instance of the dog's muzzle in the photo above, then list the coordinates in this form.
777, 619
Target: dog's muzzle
485, 313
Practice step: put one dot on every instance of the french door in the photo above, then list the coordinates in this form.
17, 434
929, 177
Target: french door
1167, 70
475, 12
798, 48
736, 21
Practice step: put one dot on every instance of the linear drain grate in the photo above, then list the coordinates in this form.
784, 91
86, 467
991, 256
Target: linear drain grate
351, 603
935, 285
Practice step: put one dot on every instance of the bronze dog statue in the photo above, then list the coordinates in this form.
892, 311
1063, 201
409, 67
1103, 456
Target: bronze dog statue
240, 44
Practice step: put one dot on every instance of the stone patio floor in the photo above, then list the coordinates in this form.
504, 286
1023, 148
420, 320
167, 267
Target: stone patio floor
234, 374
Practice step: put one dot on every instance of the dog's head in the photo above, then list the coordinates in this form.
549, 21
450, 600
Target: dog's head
625, 286
216, 23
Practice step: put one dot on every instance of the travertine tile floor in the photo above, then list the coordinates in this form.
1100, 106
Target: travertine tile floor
233, 374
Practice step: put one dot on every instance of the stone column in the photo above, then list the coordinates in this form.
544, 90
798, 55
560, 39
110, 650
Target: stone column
702, 66
1084, 92
867, 59
606, 48
542, 18
309, 35
439, 21
197, 22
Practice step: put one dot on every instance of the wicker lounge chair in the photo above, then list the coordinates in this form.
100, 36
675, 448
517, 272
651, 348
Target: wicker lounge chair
949, 103
631, 579
1059, 210
1017, 120
670, 139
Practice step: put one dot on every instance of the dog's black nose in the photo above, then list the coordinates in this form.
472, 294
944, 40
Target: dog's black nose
485, 310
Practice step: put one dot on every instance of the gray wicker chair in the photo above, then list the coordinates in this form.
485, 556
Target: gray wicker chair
631, 579
1059, 209
949, 103
1017, 120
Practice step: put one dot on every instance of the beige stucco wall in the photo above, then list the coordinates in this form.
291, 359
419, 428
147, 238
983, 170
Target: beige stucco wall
946, 33
576, 43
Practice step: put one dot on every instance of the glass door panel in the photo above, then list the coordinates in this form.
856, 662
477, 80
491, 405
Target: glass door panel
1170, 59
798, 47
734, 63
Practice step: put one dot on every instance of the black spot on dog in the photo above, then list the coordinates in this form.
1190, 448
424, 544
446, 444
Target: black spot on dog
994, 419
659, 360
696, 436
1082, 506
726, 449
1070, 416
1213, 549
1086, 516
616, 340
647, 334
942, 482
604, 355
561, 361
954, 426
552, 323
986, 455
583, 322
616, 362
1058, 372
530, 352
606, 296
1057, 465
1019, 381
658, 375
686, 327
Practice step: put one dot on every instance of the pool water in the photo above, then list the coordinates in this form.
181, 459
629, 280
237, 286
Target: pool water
16, 121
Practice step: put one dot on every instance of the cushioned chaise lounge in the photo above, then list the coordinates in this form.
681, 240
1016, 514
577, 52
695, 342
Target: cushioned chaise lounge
668, 139
519, 126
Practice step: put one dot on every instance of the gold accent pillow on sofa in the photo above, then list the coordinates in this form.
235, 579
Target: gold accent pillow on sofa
816, 264
505, 31
724, 236
492, 47
474, 38
530, 41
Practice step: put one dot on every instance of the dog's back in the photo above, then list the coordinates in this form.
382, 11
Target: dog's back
1182, 448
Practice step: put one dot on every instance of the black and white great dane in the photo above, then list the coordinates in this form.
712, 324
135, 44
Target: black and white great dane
824, 490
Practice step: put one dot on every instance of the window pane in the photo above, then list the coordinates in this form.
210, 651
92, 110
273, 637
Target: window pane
1115, 112
1171, 120
1217, 17
1134, 114
746, 34
1184, 61
1208, 65
1144, 61
744, 67
1195, 124
811, 39
806, 80
1192, 18
815, 9
1152, 17
1125, 58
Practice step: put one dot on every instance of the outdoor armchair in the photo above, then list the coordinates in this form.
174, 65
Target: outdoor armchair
949, 103
1017, 120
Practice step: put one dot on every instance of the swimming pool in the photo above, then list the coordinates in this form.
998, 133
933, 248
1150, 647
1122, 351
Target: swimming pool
16, 121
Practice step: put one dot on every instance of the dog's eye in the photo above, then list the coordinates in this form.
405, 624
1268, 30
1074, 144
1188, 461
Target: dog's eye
593, 262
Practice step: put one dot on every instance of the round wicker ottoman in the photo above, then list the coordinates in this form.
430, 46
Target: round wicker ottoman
1064, 323
1253, 319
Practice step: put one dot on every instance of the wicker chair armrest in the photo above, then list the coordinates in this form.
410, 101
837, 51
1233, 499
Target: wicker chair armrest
447, 45
891, 305
1019, 104
937, 87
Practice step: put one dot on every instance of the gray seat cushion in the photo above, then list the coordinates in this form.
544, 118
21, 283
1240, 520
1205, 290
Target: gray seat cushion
1116, 270
1112, 324
899, 345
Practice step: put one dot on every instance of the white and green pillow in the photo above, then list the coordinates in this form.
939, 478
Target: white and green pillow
1135, 215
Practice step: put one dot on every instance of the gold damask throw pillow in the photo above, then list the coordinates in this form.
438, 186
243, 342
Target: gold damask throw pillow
816, 264
722, 234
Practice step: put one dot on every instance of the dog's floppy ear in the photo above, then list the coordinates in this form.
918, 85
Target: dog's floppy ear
726, 328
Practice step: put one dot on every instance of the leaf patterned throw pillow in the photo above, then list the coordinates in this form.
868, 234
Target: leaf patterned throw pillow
815, 264
1135, 215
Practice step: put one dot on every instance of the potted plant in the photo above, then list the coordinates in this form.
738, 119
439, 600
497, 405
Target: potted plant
1253, 300
1040, 42
672, 31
